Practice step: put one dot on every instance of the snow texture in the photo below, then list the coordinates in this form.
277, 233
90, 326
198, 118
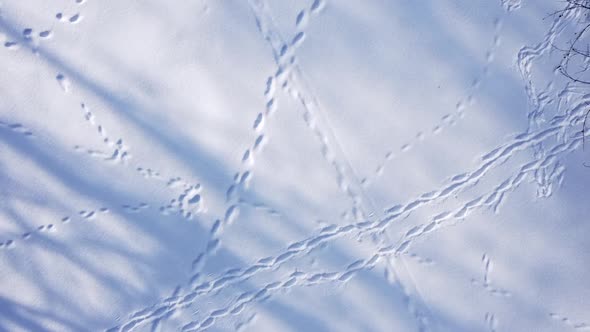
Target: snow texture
307, 165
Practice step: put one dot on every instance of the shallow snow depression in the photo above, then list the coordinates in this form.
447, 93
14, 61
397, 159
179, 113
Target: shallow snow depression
292, 165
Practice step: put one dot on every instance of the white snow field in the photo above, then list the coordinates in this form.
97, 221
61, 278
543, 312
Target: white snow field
301, 165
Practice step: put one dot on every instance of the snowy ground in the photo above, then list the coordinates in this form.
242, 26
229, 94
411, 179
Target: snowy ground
305, 165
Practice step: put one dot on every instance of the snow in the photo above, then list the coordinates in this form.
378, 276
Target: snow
291, 165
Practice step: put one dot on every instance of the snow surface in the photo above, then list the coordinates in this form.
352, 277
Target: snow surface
303, 165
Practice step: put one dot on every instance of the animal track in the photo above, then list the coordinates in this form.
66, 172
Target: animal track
248, 298
120, 153
505, 151
492, 199
244, 299
486, 283
29, 36
242, 180
262, 207
188, 204
297, 248
8, 244
135, 208
148, 173
580, 326
41, 229
447, 120
17, 128
182, 204
76, 18
45, 34
63, 82
538, 101
545, 168
491, 322
290, 77
511, 5
421, 260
